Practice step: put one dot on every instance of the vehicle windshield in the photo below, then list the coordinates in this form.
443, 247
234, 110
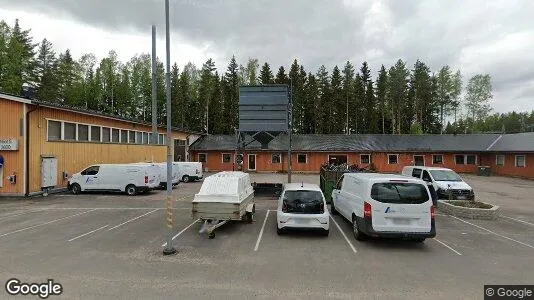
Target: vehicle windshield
303, 201
396, 192
445, 175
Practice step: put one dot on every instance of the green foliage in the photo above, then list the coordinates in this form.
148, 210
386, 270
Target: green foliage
339, 100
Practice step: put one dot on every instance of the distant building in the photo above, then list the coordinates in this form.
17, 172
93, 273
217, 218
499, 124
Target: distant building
506, 154
41, 144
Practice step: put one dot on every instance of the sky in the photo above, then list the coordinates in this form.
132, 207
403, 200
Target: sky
477, 37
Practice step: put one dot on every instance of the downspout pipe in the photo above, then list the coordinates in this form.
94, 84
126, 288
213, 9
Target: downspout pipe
27, 145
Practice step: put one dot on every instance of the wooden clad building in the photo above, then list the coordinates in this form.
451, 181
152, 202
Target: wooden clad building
42, 144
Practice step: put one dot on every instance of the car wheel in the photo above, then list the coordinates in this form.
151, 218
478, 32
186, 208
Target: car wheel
279, 231
186, 178
75, 188
419, 240
358, 235
325, 232
131, 190
333, 209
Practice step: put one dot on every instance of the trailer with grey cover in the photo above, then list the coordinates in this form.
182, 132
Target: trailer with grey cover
224, 197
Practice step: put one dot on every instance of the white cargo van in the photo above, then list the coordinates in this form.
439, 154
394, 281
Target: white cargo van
189, 171
129, 178
443, 180
163, 173
385, 205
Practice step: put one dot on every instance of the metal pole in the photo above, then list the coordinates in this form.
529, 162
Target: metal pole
169, 249
154, 89
290, 119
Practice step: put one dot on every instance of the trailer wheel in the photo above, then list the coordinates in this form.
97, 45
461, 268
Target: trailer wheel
248, 217
131, 190
211, 235
186, 178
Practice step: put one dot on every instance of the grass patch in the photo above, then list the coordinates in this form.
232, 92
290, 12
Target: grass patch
470, 204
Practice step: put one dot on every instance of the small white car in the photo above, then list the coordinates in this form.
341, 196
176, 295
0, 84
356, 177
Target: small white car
443, 180
302, 206
383, 205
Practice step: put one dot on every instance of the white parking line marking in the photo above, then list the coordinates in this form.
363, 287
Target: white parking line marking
19, 214
450, 248
500, 235
261, 231
96, 208
75, 238
179, 233
46, 223
343, 234
131, 220
525, 222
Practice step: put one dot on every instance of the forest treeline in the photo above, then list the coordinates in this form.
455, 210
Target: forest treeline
400, 99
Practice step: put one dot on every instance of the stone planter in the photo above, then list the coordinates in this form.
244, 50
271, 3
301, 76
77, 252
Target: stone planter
445, 206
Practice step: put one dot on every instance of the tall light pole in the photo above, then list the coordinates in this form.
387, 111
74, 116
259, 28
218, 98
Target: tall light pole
154, 89
169, 249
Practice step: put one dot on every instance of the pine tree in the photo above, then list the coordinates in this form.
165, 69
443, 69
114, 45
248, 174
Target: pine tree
381, 98
231, 96
397, 94
313, 116
336, 109
20, 63
444, 93
176, 105
321, 114
67, 79
281, 76
205, 91
5, 32
45, 73
348, 95
266, 75
216, 117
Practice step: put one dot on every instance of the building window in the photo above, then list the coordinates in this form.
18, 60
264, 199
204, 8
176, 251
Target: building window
69, 131
138, 137
106, 135
460, 159
131, 137
302, 158
520, 161
54, 131
202, 157
83, 132
124, 136
145, 138
276, 158
365, 158
437, 159
95, 134
499, 160
393, 159
161, 139
115, 135
471, 159
226, 158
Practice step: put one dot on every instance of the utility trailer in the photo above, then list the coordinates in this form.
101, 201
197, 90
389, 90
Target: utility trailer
224, 197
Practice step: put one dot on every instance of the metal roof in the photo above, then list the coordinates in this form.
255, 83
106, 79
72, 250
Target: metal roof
518, 142
359, 143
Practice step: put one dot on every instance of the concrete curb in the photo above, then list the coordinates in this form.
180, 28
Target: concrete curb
469, 213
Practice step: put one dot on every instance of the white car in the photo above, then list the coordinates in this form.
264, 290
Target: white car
443, 180
302, 206
385, 205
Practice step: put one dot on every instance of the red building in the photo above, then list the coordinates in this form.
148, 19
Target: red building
506, 154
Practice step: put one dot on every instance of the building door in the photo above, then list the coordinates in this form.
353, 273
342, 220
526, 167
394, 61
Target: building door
49, 171
179, 150
419, 160
252, 162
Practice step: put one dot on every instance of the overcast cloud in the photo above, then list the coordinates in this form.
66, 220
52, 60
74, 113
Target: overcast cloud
495, 37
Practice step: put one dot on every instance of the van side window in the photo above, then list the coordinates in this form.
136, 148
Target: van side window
416, 173
91, 171
426, 176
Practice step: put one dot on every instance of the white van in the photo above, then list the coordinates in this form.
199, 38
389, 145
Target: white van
129, 178
385, 205
189, 171
442, 179
163, 173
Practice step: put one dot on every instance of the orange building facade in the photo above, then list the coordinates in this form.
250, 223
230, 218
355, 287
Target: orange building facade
34, 135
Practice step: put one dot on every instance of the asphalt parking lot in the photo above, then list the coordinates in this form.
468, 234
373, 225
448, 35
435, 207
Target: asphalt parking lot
110, 246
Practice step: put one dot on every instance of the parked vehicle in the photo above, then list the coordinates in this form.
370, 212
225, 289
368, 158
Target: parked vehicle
163, 174
302, 206
190, 171
129, 178
383, 205
224, 197
444, 181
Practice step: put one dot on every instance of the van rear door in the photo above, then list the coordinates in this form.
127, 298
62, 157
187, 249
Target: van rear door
400, 206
